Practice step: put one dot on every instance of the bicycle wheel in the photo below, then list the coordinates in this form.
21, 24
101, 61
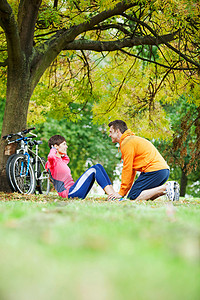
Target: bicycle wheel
22, 175
43, 181
8, 173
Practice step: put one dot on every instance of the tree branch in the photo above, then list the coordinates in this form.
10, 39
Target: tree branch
99, 46
166, 43
9, 25
118, 26
27, 17
155, 62
48, 51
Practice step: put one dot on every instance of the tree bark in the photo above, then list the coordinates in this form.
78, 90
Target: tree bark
183, 186
15, 117
19, 38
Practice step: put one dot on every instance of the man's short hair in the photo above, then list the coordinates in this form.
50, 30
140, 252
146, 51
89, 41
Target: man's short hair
118, 124
56, 140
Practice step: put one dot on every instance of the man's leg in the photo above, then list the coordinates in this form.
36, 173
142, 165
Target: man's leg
153, 193
171, 189
149, 185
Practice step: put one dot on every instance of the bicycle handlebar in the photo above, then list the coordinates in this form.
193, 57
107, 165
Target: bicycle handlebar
28, 130
23, 132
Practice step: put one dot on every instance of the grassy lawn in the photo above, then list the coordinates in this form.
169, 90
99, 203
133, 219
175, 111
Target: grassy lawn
94, 249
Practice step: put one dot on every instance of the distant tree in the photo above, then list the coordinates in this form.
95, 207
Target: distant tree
183, 151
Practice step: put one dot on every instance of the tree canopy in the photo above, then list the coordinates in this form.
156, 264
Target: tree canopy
34, 34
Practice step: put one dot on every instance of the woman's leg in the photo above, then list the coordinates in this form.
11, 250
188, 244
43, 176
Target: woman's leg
83, 185
101, 176
104, 172
103, 179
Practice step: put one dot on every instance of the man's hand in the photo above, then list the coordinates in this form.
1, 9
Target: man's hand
114, 196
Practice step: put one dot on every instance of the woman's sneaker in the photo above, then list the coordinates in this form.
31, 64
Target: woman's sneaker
173, 190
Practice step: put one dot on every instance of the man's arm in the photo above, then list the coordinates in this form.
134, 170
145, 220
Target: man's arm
128, 174
126, 183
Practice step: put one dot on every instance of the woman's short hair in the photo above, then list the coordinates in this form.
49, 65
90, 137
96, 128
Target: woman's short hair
56, 140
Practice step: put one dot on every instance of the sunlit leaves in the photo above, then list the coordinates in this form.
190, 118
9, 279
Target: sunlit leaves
132, 92
49, 18
178, 11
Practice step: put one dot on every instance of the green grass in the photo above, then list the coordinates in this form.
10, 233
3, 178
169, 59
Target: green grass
94, 249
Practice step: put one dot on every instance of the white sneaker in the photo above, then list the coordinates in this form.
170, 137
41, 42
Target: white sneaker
176, 191
173, 190
170, 190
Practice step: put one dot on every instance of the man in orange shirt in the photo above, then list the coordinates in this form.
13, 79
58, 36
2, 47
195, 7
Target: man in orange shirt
140, 155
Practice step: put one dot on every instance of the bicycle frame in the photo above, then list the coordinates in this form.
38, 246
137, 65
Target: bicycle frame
30, 163
25, 150
37, 158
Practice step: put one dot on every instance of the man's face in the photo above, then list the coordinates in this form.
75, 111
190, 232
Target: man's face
115, 135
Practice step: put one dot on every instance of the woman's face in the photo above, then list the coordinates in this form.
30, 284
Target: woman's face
62, 148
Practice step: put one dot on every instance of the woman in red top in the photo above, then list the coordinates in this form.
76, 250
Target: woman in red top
57, 165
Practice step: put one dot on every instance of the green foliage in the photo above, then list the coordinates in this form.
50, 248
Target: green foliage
120, 84
63, 91
136, 91
182, 151
49, 17
88, 144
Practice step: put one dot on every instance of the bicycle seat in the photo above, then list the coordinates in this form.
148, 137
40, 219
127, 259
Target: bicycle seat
37, 142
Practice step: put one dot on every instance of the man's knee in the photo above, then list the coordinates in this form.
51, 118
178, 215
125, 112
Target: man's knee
133, 195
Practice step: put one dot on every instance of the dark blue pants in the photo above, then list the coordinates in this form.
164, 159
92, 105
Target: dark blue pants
147, 181
83, 185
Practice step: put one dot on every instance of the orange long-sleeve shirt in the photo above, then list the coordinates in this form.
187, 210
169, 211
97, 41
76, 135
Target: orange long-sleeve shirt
138, 154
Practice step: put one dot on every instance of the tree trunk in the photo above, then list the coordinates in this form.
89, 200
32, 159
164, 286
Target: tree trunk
183, 186
18, 96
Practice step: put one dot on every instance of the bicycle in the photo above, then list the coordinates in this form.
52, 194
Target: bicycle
25, 169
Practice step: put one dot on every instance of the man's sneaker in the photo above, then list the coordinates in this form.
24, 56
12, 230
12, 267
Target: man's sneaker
170, 190
173, 190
